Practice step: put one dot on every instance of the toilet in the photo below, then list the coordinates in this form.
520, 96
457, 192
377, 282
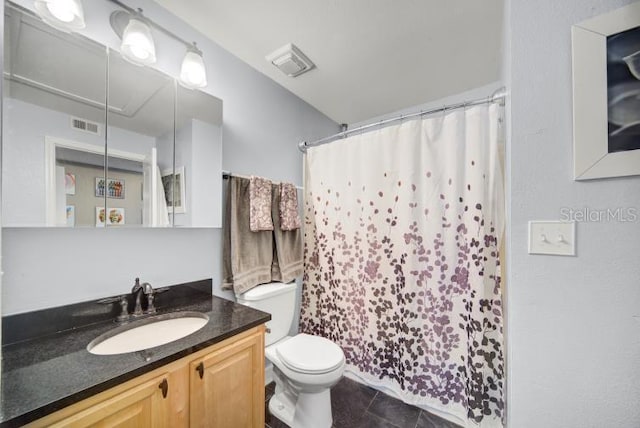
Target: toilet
305, 367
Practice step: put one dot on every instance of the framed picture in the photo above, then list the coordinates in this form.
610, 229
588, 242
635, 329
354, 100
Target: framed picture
71, 215
174, 189
115, 217
114, 188
69, 183
606, 95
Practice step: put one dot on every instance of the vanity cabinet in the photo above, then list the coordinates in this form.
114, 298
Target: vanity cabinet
219, 386
227, 386
140, 406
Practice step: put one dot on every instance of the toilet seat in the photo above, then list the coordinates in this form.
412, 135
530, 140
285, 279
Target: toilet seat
304, 353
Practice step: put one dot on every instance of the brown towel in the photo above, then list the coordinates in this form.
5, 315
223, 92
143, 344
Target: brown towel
287, 259
260, 201
289, 216
247, 256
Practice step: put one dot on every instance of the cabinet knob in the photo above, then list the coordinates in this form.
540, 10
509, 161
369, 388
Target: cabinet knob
200, 369
164, 386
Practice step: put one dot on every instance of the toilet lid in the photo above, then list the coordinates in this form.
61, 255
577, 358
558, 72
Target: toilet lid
310, 354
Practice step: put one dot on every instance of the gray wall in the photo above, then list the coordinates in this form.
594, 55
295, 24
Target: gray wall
472, 94
262, 126
198, 151
574, 325
206, 144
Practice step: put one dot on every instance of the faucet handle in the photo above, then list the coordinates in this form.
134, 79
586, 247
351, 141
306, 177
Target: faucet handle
151, 309
136, 285
124, 309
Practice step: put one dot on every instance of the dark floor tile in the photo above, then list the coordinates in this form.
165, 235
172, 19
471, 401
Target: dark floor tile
349, 402
395, 411
372, 421
428, 420
276, 423
350, 390
269, 390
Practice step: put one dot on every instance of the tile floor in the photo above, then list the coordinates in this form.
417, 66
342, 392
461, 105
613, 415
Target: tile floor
357, 406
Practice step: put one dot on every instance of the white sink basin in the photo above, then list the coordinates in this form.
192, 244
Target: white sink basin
147, 333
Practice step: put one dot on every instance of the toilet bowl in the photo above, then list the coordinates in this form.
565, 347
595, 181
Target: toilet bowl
305, 367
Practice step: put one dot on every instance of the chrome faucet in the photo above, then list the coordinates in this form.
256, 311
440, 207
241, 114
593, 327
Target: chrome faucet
137, 291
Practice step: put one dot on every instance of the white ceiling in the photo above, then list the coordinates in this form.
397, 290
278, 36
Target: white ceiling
372, 56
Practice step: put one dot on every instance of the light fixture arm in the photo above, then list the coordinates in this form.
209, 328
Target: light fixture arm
193, 47
138, 12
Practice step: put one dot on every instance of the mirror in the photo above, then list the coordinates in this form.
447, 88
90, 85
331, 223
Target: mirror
198, 145
140, 143
54, 92
163, 145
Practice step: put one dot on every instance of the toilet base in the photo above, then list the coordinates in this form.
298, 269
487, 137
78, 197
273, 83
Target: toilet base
310, 410
280, 410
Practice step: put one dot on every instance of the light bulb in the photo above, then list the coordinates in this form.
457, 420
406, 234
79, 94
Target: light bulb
137, 42
62, 10
193, 73
138, 46
65, 15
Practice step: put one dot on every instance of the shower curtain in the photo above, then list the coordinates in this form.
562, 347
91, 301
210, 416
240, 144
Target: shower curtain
403, 228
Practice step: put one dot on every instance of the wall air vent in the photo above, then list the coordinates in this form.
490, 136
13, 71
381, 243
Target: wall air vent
85, 126
290, 60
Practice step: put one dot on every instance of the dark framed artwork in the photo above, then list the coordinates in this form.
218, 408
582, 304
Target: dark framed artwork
173, 183
606, 95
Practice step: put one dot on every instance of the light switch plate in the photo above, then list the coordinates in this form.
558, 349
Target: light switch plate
557, 238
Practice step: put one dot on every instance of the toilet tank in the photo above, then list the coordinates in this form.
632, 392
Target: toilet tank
275, 298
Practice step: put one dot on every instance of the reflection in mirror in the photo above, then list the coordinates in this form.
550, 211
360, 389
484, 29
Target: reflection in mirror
141, 132
196, 189
54, 93
162, 142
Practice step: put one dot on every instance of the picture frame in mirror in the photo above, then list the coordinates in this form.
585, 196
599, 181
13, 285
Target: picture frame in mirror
174, 189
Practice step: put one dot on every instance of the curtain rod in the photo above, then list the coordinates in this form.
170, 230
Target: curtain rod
226, 175
497, 97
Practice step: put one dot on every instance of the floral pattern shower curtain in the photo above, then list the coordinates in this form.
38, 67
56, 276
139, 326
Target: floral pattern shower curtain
403, 228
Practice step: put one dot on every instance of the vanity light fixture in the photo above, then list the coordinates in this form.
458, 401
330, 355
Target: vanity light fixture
192, 72
137, 42
65, 15
138, 46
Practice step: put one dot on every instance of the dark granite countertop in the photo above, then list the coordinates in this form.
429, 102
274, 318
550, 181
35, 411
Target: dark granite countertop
45, 374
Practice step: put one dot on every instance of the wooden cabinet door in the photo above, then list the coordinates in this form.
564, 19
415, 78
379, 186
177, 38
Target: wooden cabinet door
227, 386
141, 406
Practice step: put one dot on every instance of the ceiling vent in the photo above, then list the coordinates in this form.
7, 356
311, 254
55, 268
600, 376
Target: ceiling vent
290, 60
85, 126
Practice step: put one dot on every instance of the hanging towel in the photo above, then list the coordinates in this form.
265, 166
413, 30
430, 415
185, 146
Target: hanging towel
260, 202
289, 216
287, 254
247, 256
